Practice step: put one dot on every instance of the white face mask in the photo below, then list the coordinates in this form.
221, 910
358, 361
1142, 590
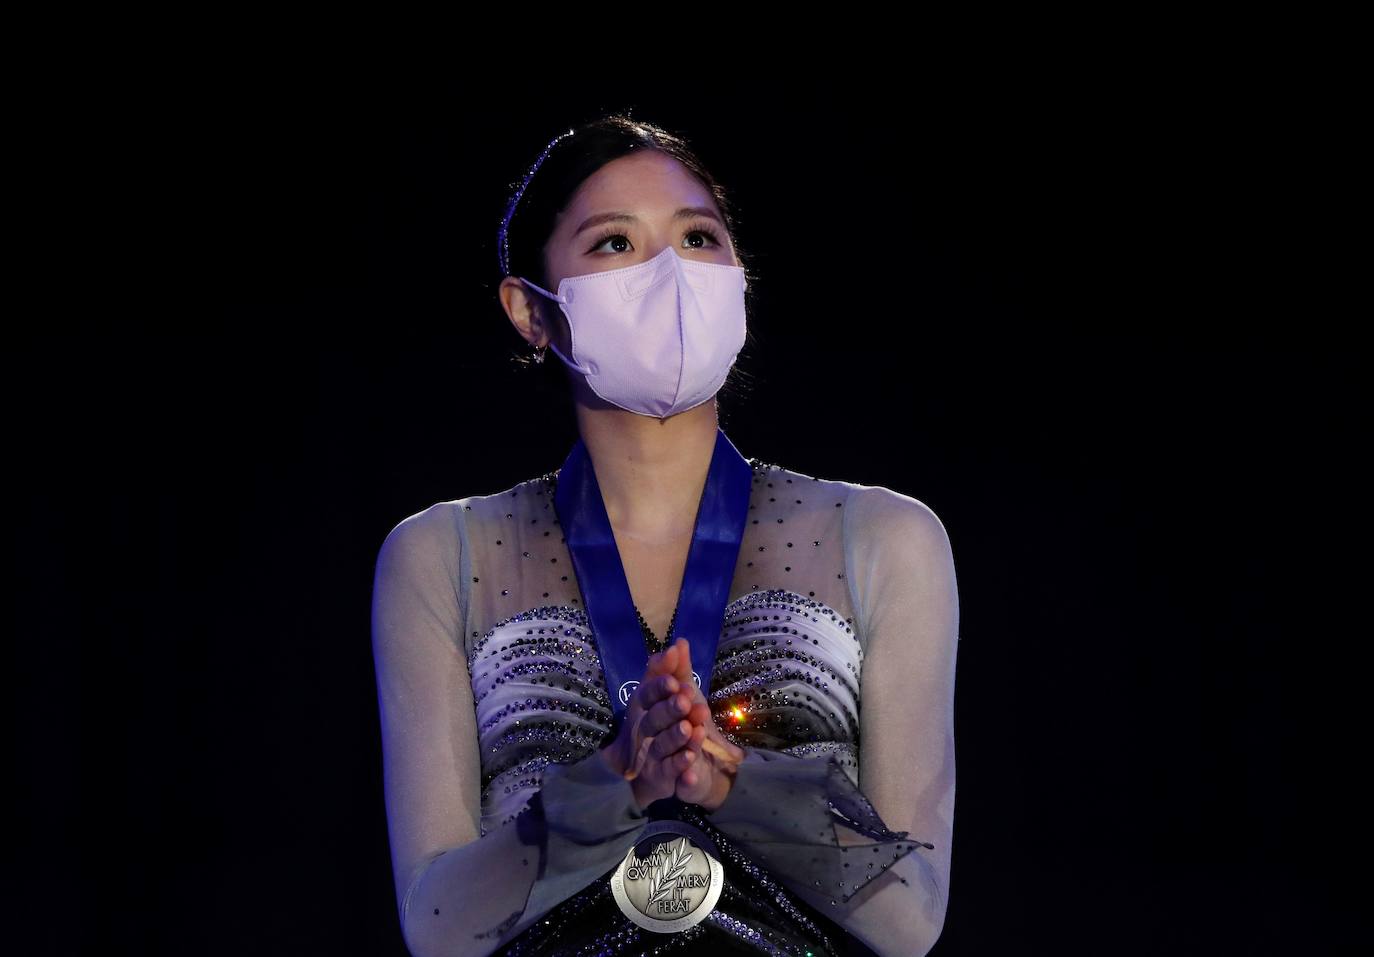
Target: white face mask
657, 338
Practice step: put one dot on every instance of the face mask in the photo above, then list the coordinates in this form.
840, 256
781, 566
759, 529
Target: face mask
657, 338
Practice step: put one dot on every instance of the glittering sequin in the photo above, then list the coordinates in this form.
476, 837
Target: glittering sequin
786, 677
754, 914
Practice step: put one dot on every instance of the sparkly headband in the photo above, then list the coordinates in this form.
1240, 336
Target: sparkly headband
503, 240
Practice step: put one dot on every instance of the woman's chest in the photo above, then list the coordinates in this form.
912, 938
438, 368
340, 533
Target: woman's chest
786, 676
655, 574
787, 659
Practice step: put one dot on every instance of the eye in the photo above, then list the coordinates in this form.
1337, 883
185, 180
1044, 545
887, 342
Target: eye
701, 229
605, 238
698, 229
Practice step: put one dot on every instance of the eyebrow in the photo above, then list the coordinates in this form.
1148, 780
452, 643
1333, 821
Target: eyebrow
686, 212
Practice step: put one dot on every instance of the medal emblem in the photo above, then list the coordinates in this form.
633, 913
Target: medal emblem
628, 689
671, 878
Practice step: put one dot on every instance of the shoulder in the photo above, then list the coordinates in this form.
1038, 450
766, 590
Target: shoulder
431, 522
877, 520
907, 513
901, 564
442, 523
779, 478
873, 503
895, 524
528, 495
429, 535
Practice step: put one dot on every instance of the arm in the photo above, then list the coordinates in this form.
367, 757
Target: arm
458, 894
902, 572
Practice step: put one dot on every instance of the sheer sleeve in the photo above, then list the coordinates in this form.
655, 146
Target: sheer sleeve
458, 893
875, 858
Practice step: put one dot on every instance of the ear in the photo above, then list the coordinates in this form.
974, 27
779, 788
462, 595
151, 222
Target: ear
524, 310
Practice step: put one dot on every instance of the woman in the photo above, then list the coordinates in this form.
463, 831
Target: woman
549, 790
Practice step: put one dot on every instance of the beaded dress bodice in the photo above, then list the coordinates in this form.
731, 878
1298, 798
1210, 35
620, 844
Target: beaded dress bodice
787, 668
505, 825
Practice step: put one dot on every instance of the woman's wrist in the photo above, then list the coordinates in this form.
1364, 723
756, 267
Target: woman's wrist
610, 756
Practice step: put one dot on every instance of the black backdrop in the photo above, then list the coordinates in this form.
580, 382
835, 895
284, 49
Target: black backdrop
1088, 325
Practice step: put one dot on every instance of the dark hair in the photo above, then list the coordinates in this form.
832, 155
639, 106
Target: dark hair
564, 165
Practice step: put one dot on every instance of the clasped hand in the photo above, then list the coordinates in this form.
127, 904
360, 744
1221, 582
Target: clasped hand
669, 743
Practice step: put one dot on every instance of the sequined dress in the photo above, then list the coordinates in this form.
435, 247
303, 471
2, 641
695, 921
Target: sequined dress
505, 824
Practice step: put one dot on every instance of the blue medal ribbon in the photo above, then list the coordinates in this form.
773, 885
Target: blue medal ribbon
711, 561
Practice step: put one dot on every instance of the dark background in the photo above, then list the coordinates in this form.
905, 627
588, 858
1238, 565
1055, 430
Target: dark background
1090, 325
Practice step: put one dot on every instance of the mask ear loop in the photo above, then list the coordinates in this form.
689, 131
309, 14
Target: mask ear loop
581, 370
541, 289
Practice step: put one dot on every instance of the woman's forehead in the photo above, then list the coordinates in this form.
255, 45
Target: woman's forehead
645, 182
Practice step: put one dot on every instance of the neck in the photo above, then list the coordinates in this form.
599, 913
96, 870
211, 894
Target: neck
651, 472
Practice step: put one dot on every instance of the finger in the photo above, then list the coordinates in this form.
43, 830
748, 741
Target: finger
684, 672
653, 690
721, 753
665, 714
654, 665
684, 762
670, 766
662, 662
641, 759
701, 712
673, 739
689, 773
684, 660
727, 750
724, 750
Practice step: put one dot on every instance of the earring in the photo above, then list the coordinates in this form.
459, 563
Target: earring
538, 354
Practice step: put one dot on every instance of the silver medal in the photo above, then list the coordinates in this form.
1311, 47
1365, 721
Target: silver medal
671, 878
